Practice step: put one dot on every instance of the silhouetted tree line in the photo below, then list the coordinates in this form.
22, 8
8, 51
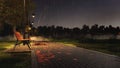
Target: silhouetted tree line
76, 33
62, 32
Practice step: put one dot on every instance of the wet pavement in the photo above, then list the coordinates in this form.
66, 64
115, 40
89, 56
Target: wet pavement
57, 55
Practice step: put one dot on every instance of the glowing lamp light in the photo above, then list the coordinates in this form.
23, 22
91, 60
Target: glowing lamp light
32, 23
29, 28
33, 15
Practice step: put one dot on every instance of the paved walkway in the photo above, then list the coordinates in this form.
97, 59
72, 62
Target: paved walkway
57, 55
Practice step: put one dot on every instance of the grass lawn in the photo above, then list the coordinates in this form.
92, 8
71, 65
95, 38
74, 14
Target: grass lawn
110, 48
13, 60
102, 47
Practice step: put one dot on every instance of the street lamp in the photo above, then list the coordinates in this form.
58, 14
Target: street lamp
33, 16
32, 23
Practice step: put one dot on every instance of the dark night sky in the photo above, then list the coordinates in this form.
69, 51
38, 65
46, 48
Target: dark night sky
76, 13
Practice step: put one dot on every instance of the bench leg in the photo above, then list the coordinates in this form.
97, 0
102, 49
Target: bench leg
16, 43
29, 46
14, 46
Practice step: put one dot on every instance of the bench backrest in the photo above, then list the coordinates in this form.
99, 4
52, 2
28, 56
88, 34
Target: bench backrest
18, 35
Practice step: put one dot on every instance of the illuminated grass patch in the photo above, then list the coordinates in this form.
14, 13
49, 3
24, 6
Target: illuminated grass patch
13, 60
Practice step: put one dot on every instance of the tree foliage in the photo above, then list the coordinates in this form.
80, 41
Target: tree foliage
77, 33
12, 11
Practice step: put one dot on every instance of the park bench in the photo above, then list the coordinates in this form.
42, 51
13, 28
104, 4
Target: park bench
20, 40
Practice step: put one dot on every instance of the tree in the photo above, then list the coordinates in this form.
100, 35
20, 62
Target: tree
94, 29
12, 11
59, 31
75, 32
67, 32
1, 10
101, 29
85, 29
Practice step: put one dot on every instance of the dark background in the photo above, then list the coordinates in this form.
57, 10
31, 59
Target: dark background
76, 13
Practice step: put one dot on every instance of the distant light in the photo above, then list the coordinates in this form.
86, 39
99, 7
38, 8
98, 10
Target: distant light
29, 28
33, 15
